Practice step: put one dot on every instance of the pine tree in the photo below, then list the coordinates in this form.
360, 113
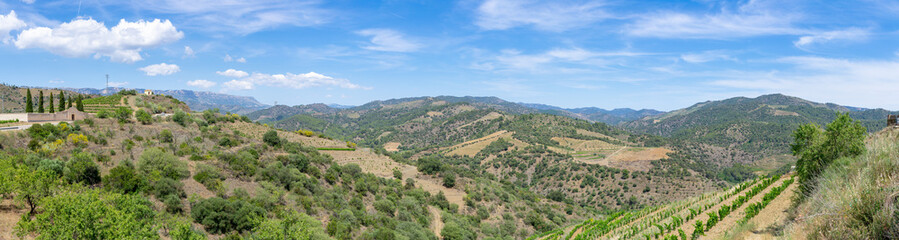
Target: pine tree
40, 102
80, 105
29, 105
51, 103
62, 101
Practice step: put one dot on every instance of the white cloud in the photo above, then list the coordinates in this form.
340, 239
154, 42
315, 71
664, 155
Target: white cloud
290, 80
161, 69
388, 40
118, 84
240, 17
851, 34
707, 56
28, 1
753, 18
543, 15
233, 73
229, 58
201, 83
9, 22
189, 52
557, 60
848, 82
238, 85
81, 38
56, 82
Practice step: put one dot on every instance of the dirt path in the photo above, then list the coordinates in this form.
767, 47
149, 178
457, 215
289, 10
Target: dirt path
731, 220
769, 223
436, 221
9, 216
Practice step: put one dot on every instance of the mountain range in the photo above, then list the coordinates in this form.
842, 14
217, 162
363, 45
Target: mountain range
196, 100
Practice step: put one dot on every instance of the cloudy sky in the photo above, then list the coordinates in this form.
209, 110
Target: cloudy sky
639, 54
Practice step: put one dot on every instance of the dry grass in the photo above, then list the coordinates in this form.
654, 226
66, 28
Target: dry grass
471, 148
392, 146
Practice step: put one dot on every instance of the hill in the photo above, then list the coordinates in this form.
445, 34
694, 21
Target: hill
196, 100
613, 117
746, 130
208, 175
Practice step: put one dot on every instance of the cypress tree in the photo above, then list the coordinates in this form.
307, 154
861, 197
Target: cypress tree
80, 105
62, 101
40, 102
70, 102
51, 104
29, 105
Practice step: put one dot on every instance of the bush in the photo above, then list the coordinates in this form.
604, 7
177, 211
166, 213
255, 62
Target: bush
397, 174
181, 118
271, 138
815, 149
166, 136
124, 179
122, 114
82, 169
429, 165
556, 195
223, 216
143, 117
104, 114
244, 163
157, 164
167, 187
449, 180
293, 225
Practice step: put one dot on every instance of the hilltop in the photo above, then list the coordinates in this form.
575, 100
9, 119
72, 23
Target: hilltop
196, 100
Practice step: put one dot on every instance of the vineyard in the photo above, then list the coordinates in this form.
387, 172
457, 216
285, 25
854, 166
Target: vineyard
109, 103
705, 216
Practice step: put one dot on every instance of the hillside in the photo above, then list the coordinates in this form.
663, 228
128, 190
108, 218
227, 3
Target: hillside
12, 98
746, 130
196, 100
612, 117
207, 175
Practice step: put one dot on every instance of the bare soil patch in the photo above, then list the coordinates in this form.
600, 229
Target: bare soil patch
392, 146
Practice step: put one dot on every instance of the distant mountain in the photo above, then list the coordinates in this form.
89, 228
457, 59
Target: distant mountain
751, 128
614, 117
334, 105
196, 100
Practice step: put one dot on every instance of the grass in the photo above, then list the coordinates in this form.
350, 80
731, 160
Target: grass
849, 201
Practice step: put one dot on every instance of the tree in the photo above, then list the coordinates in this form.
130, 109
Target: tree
815, 150
449, 179
223, 216
166, 136
80, 168
123, 114
29, 104
51, 107
79, 105
292, 225
144, 117
124, 179
93, 214
157, 164
62, 101
429, 165
70, 100
33, 186
271, 138
40, 102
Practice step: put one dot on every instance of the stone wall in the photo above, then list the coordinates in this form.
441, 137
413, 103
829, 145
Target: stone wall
23, 117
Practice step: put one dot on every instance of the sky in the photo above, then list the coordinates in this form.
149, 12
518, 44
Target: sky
662, 55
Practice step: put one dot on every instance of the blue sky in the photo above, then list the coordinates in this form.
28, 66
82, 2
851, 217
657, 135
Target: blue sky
639, 54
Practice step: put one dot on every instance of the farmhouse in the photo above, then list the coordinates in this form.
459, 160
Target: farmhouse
70, 114
148, 92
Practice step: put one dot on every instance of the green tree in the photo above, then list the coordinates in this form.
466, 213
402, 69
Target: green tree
50, 106
33, 186
7, 177
29, 104
223, 216
62, 101
78, 104
816, 149
40, 102
123, 114
93, 214
157, 164
291, 225
124, 179
70, 100
144, 117
449, 179
81, 169
271, 138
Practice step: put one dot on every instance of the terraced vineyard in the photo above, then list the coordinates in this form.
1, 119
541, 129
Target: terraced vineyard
705, 216
108, 103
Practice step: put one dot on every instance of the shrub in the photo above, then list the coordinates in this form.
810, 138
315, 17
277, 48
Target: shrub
181, 118
449, 180
82, 169
122, 114
156, 164
429, 165
271, 138
104, 114
244, 163
556, 195
815, 149
223, 216
397, 174
143, 117
124, 179
166, 136
292, 225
